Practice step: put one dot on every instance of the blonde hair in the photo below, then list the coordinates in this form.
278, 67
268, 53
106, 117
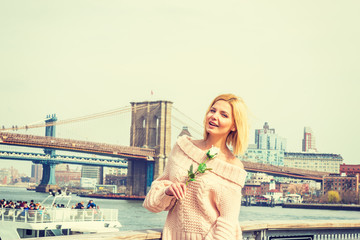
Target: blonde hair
239, 138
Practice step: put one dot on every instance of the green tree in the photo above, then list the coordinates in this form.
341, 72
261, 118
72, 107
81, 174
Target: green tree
333, 197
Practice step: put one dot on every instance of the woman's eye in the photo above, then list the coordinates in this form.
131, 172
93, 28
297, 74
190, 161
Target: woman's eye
224, 115
212, 110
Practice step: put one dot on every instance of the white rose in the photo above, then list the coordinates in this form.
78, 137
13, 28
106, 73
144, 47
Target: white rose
213, 151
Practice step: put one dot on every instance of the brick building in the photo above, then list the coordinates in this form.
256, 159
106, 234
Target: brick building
349, 169
346, 186
261, 189
65, 177
251, 190
118, 180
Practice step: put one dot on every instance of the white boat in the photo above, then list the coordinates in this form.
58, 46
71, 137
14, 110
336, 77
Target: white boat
294, 198
274, 196
19, 224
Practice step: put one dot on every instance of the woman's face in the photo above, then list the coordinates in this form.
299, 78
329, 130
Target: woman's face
219, 120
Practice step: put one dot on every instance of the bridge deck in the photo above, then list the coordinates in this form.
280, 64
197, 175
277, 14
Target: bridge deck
139, 153
42, 158
284, 171
75, 145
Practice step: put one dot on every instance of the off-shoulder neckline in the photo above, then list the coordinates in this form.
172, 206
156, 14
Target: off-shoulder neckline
191, 140
219, 167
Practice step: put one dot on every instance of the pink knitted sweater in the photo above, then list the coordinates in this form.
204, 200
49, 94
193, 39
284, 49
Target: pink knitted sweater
211, 207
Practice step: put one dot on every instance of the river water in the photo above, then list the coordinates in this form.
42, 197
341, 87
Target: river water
133, 216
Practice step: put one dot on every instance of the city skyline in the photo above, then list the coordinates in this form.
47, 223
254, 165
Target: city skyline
266, 125
294, 63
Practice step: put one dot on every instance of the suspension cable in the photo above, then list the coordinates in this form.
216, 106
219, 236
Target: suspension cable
125, 109
188, 117
190, 127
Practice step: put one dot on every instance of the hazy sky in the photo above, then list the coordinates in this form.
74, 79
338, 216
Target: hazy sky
295, 63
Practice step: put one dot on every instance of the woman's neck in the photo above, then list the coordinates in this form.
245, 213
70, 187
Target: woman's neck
216, 142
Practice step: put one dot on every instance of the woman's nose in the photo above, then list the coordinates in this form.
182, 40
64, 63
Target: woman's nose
214, 116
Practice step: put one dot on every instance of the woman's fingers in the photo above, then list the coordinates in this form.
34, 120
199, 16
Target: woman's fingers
176, 189
183, 188
180, 191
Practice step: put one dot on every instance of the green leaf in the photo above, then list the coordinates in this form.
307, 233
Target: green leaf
208, 169
191, 169
202, 167
192, 179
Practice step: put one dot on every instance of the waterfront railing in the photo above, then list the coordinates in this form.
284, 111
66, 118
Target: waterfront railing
58, 215
301, 230
255, 230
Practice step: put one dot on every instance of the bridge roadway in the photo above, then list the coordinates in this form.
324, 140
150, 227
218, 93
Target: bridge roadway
40, 158
133, 153
130, 153
281, 171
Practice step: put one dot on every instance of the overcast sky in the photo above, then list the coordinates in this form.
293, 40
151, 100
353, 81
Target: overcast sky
295, 63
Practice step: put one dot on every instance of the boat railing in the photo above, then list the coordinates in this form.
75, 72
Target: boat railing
58, 215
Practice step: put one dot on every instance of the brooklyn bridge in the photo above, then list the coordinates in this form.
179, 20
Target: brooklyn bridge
145, 157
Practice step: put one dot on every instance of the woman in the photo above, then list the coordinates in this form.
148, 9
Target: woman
209, 207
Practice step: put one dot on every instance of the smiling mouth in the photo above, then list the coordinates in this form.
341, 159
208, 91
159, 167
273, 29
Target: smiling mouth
213, 124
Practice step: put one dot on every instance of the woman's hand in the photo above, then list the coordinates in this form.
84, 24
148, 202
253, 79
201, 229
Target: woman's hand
176, 189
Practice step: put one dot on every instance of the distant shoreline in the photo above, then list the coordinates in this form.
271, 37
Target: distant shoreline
346, 207
14, 186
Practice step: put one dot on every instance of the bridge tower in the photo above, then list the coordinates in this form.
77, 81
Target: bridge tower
48, 181
150, 128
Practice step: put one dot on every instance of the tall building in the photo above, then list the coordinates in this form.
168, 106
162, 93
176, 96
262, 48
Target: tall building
266, 138
90, 172
36, 172
308, 142
269, 148
5, 176
273, 157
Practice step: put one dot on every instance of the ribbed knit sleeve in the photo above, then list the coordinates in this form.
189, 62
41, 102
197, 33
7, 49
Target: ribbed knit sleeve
227, 224
156, 200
